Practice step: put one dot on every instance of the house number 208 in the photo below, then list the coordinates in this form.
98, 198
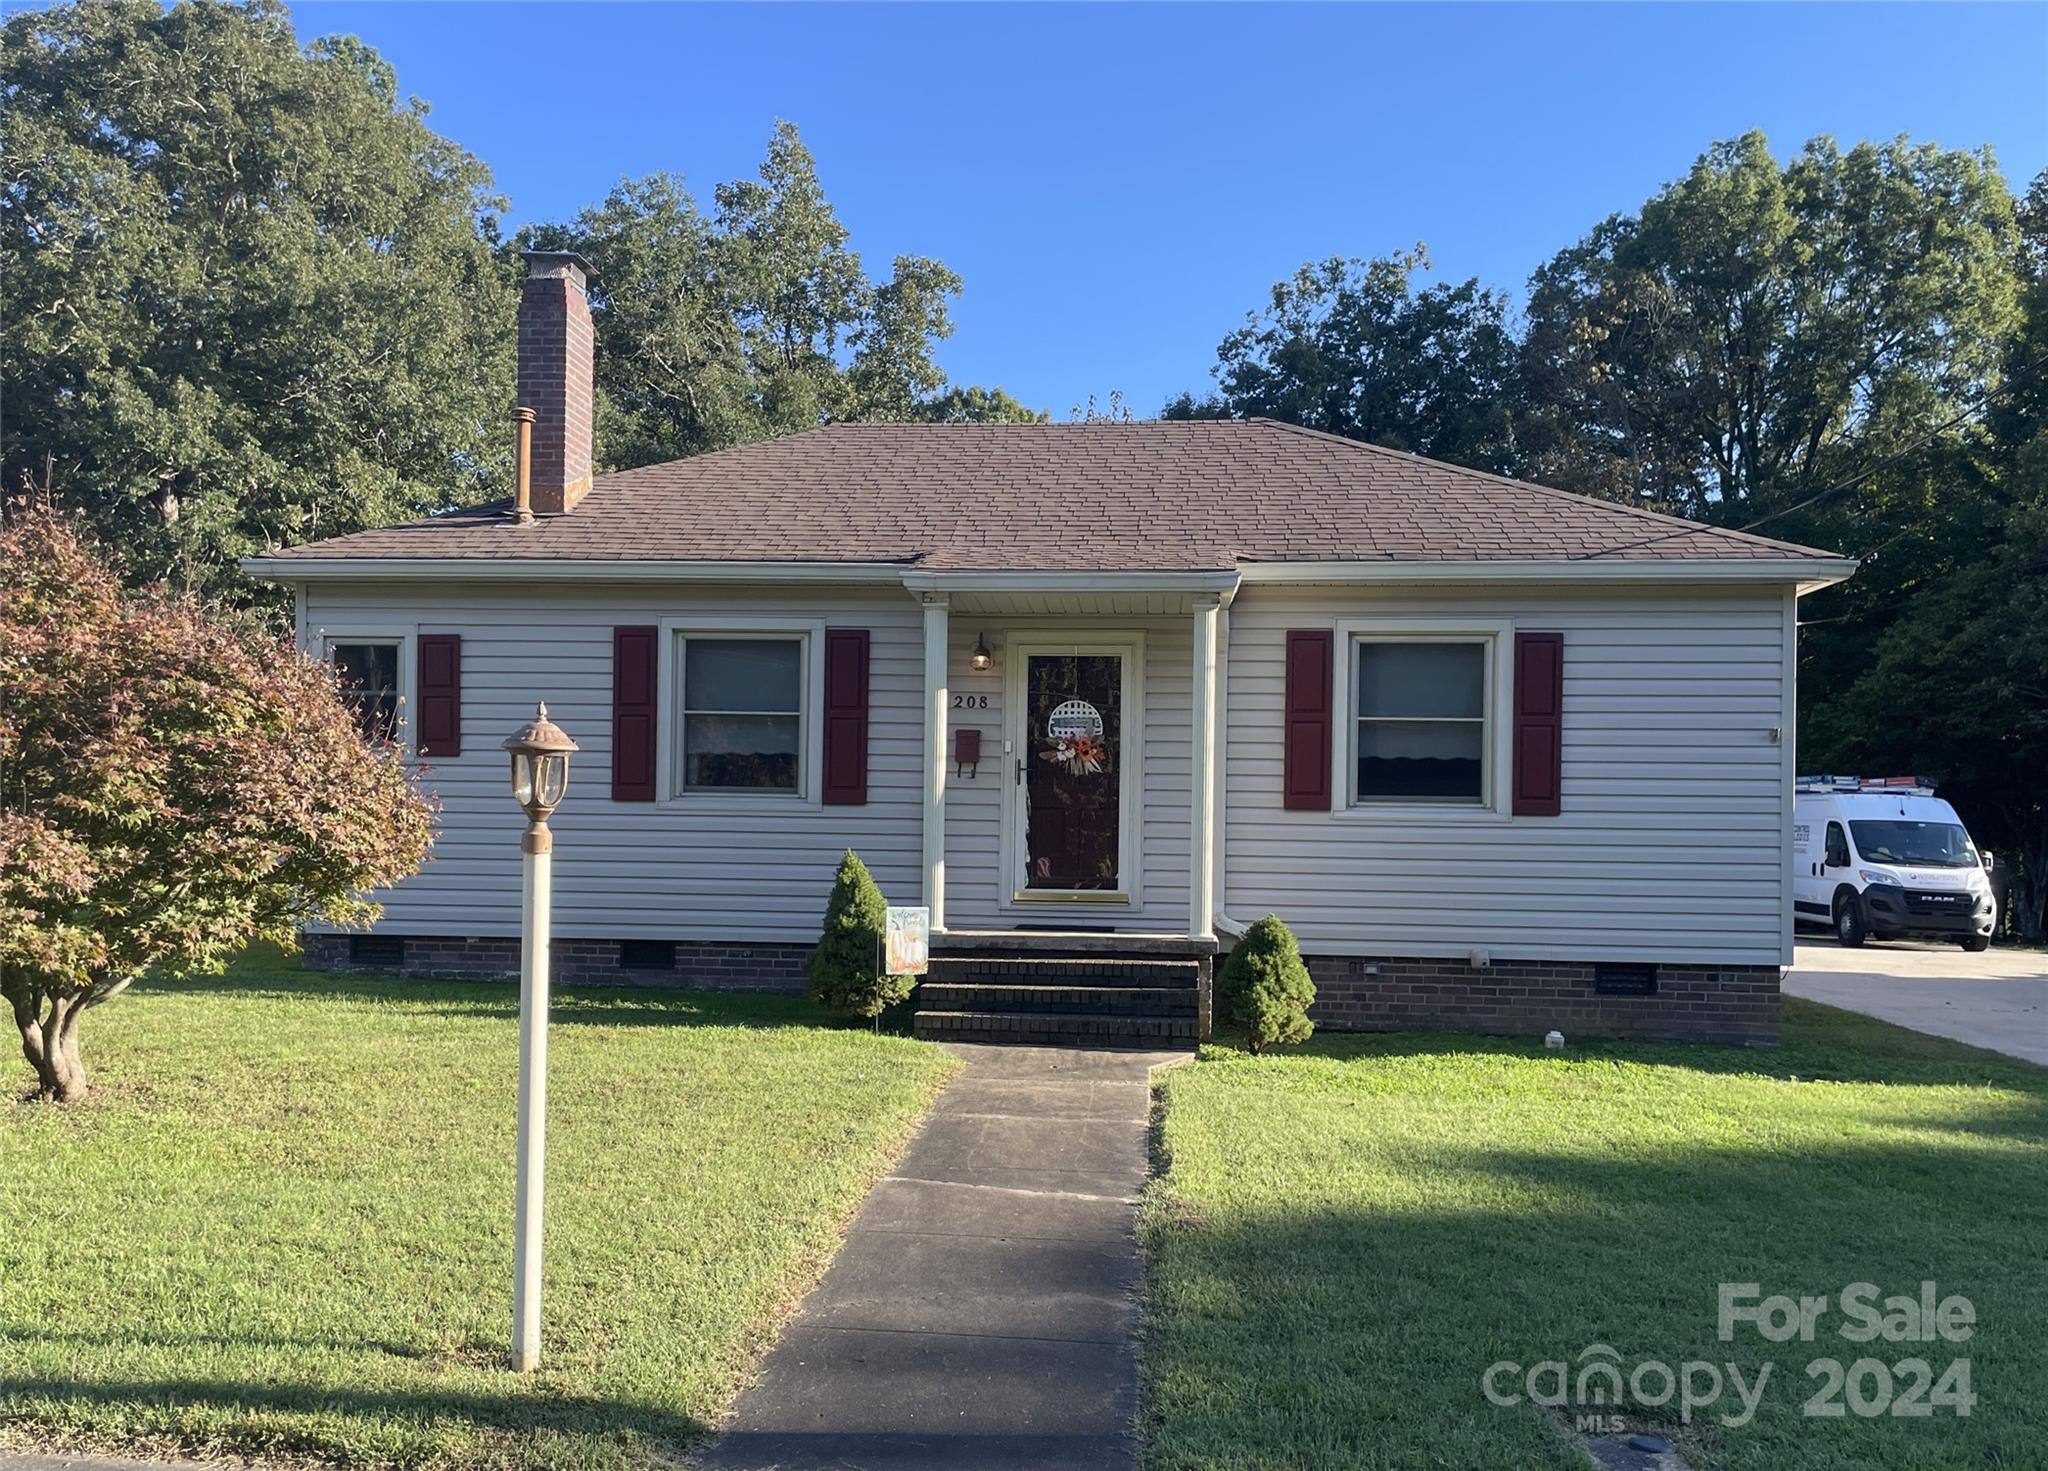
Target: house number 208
970, 702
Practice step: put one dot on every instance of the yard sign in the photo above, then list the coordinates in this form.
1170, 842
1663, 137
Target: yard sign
907, 940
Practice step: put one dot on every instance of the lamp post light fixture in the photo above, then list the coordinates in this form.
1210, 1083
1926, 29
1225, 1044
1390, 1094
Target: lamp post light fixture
540, 778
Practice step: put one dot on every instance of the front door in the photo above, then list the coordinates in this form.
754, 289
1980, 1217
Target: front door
1069, 835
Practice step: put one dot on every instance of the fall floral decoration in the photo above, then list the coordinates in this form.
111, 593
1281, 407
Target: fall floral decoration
1082, 755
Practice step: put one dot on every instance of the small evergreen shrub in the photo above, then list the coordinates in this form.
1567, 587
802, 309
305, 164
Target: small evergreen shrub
846, 968
1265, 989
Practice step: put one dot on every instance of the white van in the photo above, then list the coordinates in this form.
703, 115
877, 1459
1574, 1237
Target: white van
1887, 860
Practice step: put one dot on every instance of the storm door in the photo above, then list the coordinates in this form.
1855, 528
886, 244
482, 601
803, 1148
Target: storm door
1070, 756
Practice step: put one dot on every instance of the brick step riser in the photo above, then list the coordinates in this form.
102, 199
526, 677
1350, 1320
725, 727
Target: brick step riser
1056, 1031
1025, 1000
1060, 1039
1063, 973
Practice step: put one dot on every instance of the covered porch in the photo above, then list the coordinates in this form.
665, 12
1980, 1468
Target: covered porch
1071, 783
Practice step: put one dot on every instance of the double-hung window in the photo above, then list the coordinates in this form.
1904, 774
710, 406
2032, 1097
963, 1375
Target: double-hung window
368, 673
1421, 717
742, 715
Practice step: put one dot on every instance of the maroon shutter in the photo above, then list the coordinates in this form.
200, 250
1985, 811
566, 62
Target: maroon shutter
1311, 671
1539, 724
846, 717
635, 660
440, 695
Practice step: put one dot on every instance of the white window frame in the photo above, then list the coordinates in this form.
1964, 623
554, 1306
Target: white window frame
326, 636
809, 634
1498, 636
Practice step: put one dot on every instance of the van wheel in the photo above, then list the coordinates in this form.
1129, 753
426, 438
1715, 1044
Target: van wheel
1848, 921
1974, 943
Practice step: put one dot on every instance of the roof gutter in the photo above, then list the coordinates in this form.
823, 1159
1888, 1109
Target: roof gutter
564, 569
561, 569
1809, 573
1222, 584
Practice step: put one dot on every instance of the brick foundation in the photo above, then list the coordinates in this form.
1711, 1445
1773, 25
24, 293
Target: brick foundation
708, 965
1693, 1003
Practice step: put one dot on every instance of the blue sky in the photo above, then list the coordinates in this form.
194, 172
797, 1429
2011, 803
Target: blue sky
1119, 185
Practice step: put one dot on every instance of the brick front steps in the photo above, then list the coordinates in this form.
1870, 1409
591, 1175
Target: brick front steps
1108, 999
1057, 1029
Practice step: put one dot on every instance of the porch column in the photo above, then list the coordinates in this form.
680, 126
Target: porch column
935, 757
1202, 778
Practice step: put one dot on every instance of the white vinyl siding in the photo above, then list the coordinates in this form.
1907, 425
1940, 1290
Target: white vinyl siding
677, 869
1671, 846
1672, 842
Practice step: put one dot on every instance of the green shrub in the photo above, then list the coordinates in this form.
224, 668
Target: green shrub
1265, 989
846, 968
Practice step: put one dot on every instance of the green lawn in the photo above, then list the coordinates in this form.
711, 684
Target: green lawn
284, 1228
1348, 1235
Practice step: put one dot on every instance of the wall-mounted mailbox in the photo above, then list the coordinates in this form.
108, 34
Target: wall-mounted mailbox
966, 750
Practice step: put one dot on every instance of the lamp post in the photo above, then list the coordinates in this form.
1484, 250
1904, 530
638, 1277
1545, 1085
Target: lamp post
540, 775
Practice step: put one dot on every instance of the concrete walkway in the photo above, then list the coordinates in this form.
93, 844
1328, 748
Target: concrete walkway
983, 1310
1997, 998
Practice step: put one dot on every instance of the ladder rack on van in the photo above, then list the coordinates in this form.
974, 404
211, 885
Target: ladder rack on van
1903, 786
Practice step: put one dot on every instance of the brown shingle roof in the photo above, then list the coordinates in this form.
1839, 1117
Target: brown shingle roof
1161, 496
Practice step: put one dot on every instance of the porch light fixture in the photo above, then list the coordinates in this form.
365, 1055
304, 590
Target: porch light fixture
540, 777
982, 659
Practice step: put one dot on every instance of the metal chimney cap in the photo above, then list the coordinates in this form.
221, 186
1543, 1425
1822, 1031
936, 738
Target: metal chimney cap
542, 263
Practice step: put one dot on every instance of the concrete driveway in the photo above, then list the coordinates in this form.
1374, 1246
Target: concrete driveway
1996, 999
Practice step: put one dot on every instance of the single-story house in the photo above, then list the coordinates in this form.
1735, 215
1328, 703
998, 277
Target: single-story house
1505, 757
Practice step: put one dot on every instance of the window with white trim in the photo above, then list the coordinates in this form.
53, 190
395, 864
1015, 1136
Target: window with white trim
741, 712
1421, 726
367, 670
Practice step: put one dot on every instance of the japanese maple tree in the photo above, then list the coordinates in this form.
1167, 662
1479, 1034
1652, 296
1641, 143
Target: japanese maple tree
172, 787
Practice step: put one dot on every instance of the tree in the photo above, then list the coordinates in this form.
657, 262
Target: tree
754, 320
170, 790
1755, 331
1957, 691
846, 968
1812, 350
1185, 406
978, 405
1350, 347
1947, 675
1111, 410
1265, 987
252, 298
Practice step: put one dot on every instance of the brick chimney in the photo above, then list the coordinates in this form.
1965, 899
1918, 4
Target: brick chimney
555, 341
